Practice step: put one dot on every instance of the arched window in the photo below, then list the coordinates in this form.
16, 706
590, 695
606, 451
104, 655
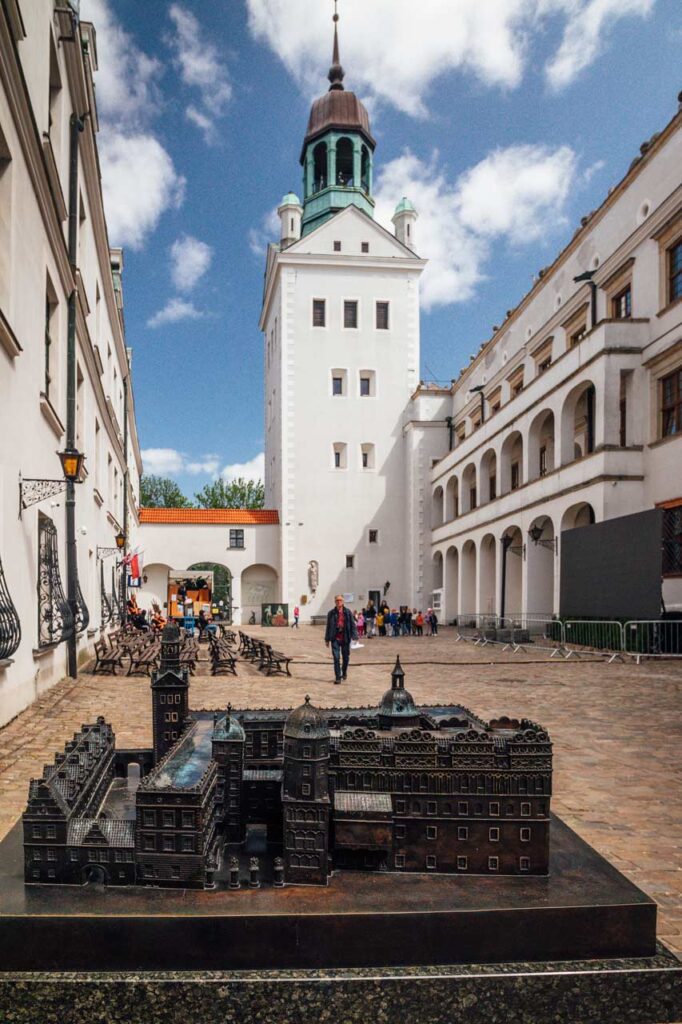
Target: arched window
320, 167
365, 166
344, 162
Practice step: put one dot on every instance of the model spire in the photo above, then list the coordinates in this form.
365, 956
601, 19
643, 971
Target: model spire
336, 72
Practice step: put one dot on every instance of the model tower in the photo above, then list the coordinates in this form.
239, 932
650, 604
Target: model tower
305, 795
170, 694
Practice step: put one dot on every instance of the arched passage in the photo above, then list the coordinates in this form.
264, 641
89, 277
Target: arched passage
511, 597
578, 417
451, 606
222, 586
511, 463
468, 601
154, 589
469, 490
452, 498
259, 586
540, 556
541, 445
580, 514
486, 588
488, 477
438, 570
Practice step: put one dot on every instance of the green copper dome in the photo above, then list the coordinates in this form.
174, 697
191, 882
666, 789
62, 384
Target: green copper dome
290, 199
405, 206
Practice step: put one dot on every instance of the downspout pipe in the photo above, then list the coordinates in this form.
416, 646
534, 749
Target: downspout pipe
77, 126
124, 574
506, 542
451, 431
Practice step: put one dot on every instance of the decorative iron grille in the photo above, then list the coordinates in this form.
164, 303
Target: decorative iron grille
82, 613
106, 611
672, 541
10, 627
55, 621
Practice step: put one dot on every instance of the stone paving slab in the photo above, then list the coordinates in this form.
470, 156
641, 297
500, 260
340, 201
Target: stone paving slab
616, 731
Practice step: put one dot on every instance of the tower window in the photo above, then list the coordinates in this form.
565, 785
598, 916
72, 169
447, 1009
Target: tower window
337, 385
350, 561
382, 316
367, 456
367, 383
374, 536
339, 453
337, 246
365, 247
319, 313
350, 313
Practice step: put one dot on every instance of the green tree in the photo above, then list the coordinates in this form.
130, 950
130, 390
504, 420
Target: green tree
160, 492
239, 493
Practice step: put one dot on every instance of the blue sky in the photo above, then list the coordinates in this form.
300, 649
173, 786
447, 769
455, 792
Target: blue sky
503, 120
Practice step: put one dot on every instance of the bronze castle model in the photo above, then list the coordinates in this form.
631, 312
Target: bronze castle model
392, 788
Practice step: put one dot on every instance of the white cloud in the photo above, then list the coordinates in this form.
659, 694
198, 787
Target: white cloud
201, 67
140, 183
254, 469
190, 259
139, 180
171, 462
395, 54
173, 311
584, 35
268, 231
513, 194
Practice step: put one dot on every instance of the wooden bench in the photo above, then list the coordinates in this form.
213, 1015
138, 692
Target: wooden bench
144, 659
110, 657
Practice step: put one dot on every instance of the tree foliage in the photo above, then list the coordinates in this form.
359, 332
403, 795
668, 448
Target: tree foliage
160, 492
239, 493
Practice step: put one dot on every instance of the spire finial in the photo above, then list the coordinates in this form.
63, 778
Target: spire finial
397, 676
336, 72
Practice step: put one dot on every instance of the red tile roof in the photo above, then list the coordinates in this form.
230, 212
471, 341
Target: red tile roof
210, 516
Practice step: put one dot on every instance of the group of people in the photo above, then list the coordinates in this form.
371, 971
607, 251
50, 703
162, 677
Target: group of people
137, 616
403, 621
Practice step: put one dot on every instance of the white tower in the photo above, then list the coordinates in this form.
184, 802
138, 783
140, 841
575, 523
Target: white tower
404, 220
290, 213
341, 323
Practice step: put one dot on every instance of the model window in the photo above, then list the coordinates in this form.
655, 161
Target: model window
399, 831
187, 844
494, 835
350, 313
400, 807
337, 385
463, 807
365, 247
169, 844
319, 313
168, 819
494, 809
37, 854
337, 246
382, 316
432, 832
462, 832
73, 855
431, 862
493, 863
307, 751
149, 818
400, 860
524, 863
525, 810
671, 404
524, 835
374, 536
148, 843
305, 789
462, 863
236, 538
187, 819
37, 833
675, 272
350, 561
621, 304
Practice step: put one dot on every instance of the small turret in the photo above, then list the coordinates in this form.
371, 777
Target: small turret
404, 220
290, 213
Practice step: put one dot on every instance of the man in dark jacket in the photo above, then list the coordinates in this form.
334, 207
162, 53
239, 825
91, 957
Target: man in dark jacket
341, 629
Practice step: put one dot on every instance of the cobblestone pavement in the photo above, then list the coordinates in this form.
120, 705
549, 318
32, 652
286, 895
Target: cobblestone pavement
615, 728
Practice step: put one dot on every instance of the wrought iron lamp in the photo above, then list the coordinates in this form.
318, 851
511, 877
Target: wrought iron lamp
73, 465
32, 490
535, 534
120, 539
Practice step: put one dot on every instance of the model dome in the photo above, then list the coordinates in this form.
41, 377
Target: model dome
306, 722
228, 727
397, 707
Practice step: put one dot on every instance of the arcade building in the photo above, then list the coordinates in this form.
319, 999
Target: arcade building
397, 787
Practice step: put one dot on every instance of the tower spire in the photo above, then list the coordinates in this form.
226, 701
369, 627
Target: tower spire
336, 72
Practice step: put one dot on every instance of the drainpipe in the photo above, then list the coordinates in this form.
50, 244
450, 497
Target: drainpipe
588, 275
506, 542
77, 126
124, 574
451, 432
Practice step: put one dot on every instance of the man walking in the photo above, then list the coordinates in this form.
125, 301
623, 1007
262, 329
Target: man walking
341, 629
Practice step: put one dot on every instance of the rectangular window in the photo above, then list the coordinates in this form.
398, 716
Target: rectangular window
364, 387
431, 862
525, 810
399, 831
675, 272
337, 385
524, 863
524, 835
175, 871
543, 461
350, 561
187, 844
236, 538
493, 863
148, 843
374, 536
463, 807
319, 313
493, 487
621, 304
382, 316
337, 246
400, 860
472, 497
74, 855
577, 336
672, 541
364, 246
671, 404
365, 460
37, 833
515, 476
305, 788
494, 835
169, 819
462, 863
339, 452
350, 313
51, 854
544, 364
169, 844
400, 807
149, 818
187, 819
50, 320
462, 832
432, 832
494, 809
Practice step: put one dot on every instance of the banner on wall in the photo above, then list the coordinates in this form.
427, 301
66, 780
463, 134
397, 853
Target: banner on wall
274, 614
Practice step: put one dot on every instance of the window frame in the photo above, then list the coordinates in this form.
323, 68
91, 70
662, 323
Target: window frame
346, 304
384, 304
234, 538
674, 406
318, 302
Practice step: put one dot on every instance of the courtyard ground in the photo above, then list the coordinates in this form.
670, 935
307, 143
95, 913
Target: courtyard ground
615, 729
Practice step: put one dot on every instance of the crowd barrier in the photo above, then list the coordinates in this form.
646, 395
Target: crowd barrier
574, 638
